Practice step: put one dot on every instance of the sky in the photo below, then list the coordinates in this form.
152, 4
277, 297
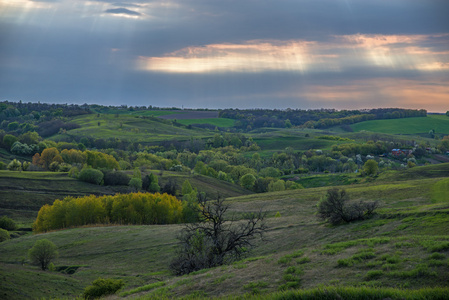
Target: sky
299, 54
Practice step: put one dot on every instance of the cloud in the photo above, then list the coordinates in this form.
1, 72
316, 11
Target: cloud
402, 52
233, 53
122, 11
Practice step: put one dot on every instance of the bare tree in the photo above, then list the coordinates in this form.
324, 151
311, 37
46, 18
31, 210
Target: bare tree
216, 240
336, 208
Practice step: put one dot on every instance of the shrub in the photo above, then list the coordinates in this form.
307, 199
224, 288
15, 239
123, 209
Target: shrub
135, 183
102, 287
336, 209
74, 172
7, 223
15, 165
91, 175
4, 235
43, 252
116, 178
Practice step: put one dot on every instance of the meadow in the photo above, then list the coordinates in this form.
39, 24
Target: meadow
404, 246
400, 252
415, 126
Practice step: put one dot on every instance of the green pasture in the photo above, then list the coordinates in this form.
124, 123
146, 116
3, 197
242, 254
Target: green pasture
133, 128
146, 113
405, 246
219, 122
422, 125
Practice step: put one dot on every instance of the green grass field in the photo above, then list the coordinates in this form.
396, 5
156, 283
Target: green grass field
219, 122
146, 113
405, 246
22, 194
128, 127
439, 123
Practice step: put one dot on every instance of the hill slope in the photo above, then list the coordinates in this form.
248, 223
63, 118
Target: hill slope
406, 245
422, 125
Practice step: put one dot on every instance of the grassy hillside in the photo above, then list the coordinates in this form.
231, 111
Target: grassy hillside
22, 194
405, 246
279, 139
219, 122
439, 123
126, 127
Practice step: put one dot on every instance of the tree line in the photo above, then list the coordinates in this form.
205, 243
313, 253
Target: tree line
133, 208
319, 118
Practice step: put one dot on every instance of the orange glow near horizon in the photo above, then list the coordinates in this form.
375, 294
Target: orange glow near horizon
405, 93
393, 52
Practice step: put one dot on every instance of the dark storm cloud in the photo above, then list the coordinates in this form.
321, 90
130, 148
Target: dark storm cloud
123, 11
72, 51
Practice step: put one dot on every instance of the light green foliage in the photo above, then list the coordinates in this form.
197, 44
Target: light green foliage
15, 165
4, 235
291, 185
276, 186
43, 252
97, 159
137, 174
186, 187
270, 172
286, 259
291, 278
135, 208
25, 165
91, 175
135, 183
440, 191
370, 167
247, 181
151, 183
7, 223
102, 287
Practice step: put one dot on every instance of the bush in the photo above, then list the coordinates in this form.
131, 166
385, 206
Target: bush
135, 183
102, 287
43, 252
116, 178
15, 165
7, 224
91, 175
336, 209
4, 235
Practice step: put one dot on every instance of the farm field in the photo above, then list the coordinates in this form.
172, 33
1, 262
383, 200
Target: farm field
405, 245
421, 125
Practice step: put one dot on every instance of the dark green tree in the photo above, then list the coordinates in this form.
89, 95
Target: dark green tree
43, 252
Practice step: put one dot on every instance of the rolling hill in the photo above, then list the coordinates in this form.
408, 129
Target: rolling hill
404, 246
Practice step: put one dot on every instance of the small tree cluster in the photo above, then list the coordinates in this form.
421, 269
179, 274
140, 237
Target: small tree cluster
102, 287
133, 208
216, 240
7, 223
42, 253
336, 208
